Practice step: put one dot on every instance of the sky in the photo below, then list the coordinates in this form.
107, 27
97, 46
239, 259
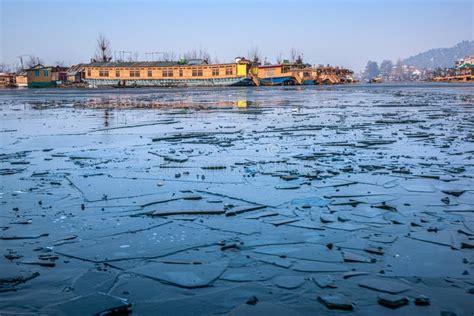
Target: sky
347, 33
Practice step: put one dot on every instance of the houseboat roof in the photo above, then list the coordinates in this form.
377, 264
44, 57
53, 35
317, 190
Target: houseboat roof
40, 66
133, 64
197, 62
273, 66
138, 64
37, 66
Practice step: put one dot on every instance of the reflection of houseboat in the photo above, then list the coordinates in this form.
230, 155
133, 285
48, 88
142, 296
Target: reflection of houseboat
375, 80
166, 74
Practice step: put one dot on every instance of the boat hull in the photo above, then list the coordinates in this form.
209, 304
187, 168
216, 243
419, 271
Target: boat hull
277, 81
221, 82
48, 84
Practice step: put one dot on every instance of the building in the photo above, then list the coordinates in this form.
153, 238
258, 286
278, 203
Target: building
41, 76
463, 71
168, 74
21, 79
75, 74
7, 80
465, 60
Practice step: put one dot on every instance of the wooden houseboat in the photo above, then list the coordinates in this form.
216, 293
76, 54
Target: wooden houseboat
305, 75
40, 76
168, 74
275, 75
287, 74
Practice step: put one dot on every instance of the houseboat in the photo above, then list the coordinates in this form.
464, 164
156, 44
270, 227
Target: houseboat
168, 74
275, 75
40, 76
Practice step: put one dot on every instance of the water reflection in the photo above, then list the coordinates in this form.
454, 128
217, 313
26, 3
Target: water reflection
106, 118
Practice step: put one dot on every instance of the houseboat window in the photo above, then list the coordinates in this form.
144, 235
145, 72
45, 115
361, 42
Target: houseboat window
215, 71
134, 73
117, 73
88, 72
197, 72
37, 73
46, 72
180, 72
167, 72
285, 69
229, 71
149, 73
103, 73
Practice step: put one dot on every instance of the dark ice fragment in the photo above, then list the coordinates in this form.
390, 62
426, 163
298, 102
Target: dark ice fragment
392, 301
336, 301
422, 300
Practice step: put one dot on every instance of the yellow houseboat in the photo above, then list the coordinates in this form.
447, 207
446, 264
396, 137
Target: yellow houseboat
168, 74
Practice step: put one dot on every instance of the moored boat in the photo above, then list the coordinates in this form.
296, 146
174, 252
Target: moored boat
168, 74
275, 75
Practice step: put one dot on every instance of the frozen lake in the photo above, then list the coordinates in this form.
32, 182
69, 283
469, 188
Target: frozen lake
249, 201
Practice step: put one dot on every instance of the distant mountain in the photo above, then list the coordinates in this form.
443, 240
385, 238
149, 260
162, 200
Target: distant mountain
441, 57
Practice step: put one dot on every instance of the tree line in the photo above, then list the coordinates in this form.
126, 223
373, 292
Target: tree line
104, 53
386, 70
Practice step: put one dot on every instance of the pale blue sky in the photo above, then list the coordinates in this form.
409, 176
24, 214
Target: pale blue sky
338, 32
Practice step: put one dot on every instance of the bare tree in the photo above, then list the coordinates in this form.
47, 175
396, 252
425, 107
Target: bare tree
103, 50
4, 68
254, 55
293, 54
194, 54
279, 59
33, 61
59, 63
386, 68
399, 70
169, 56
296, 56
191, 54
204, 54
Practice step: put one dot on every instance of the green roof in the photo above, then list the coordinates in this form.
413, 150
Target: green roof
466, 65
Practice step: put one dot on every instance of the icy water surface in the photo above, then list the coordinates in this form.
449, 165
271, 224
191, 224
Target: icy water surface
252, 201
